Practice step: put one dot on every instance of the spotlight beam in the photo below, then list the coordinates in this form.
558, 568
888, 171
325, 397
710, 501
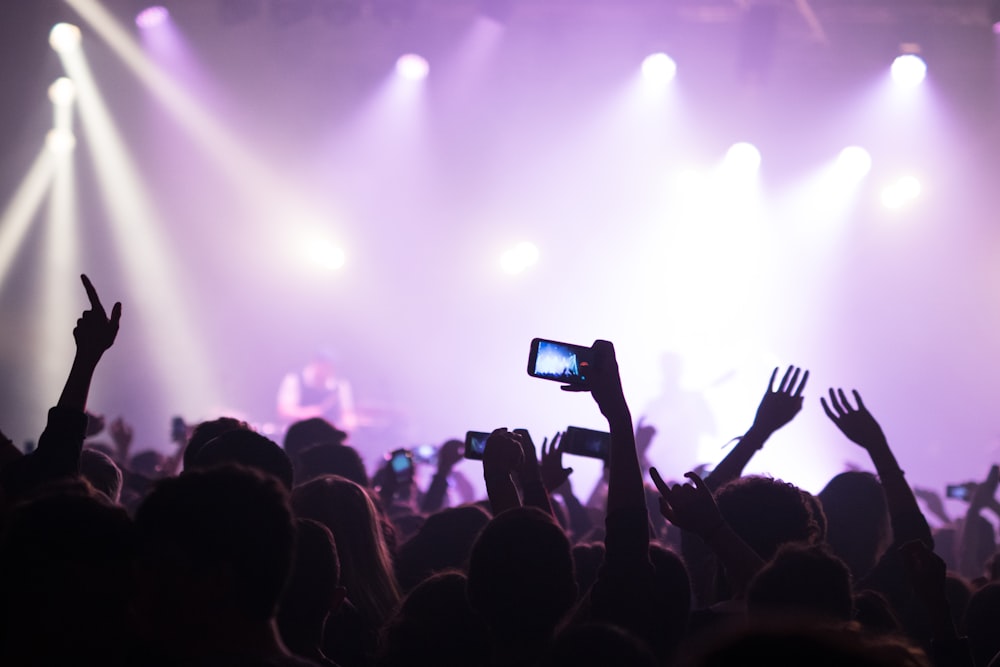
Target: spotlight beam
17, 216
251, 175
183, 364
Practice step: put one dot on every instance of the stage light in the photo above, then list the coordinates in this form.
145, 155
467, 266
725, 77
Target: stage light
150, 17
742, 157
854, 162
659, 69
60, 141
900, 193
64, 37
62, 92
519, 258
412, 67
323, 253
909, 70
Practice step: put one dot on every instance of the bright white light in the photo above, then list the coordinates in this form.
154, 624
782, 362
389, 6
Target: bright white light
519, 258
909, 70
854, 162
659, 69
150, 17
412, 67
743, 158
62, 92
60, 142
324, 254
900, 193
64, 37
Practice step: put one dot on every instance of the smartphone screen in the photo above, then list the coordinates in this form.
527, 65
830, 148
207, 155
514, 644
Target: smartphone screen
959, 491
475, 444
401, 463
585, 442
562, 362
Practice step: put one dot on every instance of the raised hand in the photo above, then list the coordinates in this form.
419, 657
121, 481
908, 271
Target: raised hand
855, 422
95, 332
933, 502
604, 383
449, 454
985, 493
553, 473
688, 506
779, 406
529, 468
121, 434
644, 434
503, 453
95, 424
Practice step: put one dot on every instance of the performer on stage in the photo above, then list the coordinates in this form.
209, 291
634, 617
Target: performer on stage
316, 391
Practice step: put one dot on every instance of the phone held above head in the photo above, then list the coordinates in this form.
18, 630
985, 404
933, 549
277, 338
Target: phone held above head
561, 362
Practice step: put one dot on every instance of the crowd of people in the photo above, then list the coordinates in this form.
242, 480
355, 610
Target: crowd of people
241, 551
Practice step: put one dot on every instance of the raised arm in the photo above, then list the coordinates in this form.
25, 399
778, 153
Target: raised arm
692, 508
95, 332
502, 456
860, 427
556, 480
449, 454
59, 447
970, 561
624, 474
530, 475
778, 407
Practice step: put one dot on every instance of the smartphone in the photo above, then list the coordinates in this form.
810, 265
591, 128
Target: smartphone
401, 462
178, 430
475, 444
960, 491
585, 442
562, 362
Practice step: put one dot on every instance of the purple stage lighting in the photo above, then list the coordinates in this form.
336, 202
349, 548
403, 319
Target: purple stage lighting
659, 68
412, 67
909, 70
150, 17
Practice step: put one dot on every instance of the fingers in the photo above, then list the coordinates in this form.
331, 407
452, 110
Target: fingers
802, 385
575, 387
95, 301
784, 380
844, 401
116, 314
698, 482
835, 402
857, 398
661, 486
791, 382
774, 374
827, 410
556, 447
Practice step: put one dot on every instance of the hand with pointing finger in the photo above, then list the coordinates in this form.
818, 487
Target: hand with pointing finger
95, 332
690, 507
